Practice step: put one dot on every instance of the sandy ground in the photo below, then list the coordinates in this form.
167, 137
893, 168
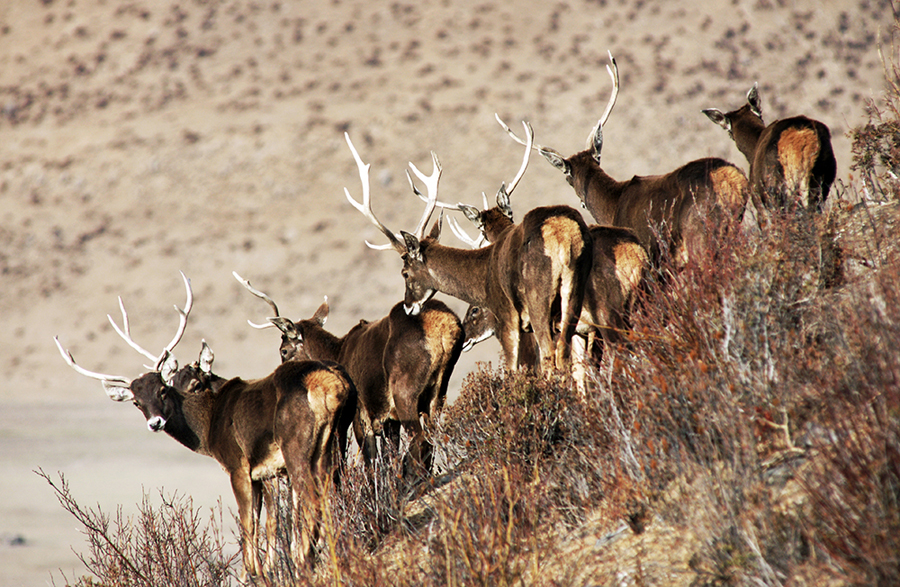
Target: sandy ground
141, 138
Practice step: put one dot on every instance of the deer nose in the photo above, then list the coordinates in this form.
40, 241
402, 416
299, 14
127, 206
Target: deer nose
156, 423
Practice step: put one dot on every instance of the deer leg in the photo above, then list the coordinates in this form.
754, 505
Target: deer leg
243, 493
268, 489
509, 341
406, 394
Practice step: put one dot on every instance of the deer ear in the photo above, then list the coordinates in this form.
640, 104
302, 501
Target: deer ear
597, 143
716, 116
473, 214
435, 233
118, 392
168, 368
206, 359
753, 100
557, 160
288, 328
412, 245
321, 314
503, 202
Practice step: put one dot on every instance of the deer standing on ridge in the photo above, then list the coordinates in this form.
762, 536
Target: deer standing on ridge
541, 264
791, 157
680, 199
619, 264
401, 365
257, 430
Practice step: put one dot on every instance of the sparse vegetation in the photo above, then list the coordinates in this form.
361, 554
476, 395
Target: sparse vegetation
748, 432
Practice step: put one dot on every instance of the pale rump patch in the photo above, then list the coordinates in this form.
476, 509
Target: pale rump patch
731, 187
798, 149
631, 259
562, 240
326, 392
434, 321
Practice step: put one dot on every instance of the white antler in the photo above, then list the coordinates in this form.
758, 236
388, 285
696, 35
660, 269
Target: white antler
125, 331
614, 75
464, 236
431, 187
260, 295
529, 143
182, 322
116, 386
366, 206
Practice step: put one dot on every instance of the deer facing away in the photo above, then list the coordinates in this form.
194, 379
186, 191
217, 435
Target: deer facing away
680, 200
543, 263
791, 157
283, 423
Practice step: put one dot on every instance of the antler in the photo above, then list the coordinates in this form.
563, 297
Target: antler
366, 206
125, 331
260, 295
431, 186
116, 386
529, 142
464, 236
614, 75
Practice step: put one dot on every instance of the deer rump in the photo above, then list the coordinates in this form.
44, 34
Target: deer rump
401, 365
682, 205
540, 269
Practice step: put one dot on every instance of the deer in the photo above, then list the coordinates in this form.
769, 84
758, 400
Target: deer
256, 430
540, 264
618, 268
679, 200
791, 157
401, 365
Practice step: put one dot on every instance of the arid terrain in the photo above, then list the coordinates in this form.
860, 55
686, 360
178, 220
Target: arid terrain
139, 139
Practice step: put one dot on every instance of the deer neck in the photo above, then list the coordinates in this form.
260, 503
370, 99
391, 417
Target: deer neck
322, 345
602, 194
189, 424
746, 130
460, 273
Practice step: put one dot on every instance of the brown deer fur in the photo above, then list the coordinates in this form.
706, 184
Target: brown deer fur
401, 365
534, 267
677, 202
619, 263
789, 158
257, 430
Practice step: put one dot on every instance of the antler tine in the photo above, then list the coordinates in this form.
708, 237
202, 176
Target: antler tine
464, 236
614, 75
260, 295
112, 384
431, 186
516, 138
529, 142
125, 332
424, 198
182, 322
366, 206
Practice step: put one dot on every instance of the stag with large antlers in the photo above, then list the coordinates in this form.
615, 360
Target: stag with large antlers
401, 365
541, 264
257, 430
679, 200
791, 157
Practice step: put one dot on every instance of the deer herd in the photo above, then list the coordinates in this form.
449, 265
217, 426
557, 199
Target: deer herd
538, 284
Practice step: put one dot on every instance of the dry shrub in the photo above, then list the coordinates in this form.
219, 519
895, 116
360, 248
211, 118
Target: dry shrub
166, 545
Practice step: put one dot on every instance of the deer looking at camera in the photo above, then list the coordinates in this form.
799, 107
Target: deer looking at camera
257, 430
540, 264
688, 201
791, 157
401, 365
